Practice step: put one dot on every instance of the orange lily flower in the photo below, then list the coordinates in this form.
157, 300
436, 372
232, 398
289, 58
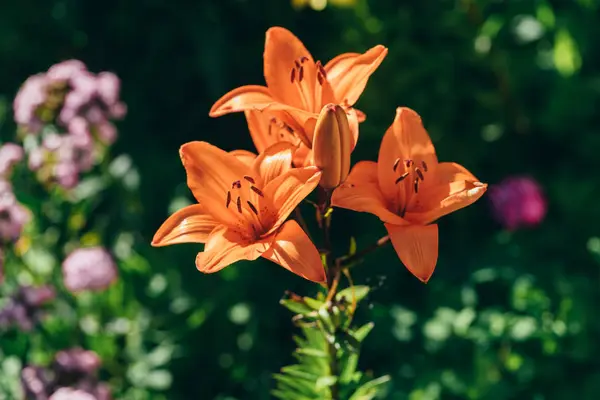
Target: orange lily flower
244, 201
298, 87
408, 190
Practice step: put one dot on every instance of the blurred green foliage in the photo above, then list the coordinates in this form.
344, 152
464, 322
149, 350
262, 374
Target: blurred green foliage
503, 87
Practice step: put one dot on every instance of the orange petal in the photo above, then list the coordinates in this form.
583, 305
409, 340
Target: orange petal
406, 139
417, 247
453, 188
274, 161
282, 51
260, 129
294, 251
348, 73
288, 190
360, 192
191, 224
250, 97
224, 247
210, 173
245, 156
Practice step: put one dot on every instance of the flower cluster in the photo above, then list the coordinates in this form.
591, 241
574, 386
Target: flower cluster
518, 201
304, 126
72, 376
24, 307
91, 268
64, 116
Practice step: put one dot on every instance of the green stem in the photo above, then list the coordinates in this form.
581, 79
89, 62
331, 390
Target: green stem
350, 259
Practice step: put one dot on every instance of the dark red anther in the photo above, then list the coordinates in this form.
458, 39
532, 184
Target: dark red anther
401, 177
396, 164
249, 179
257, 191
293, 77
228, 199
236, 185
409, 163
303, 59
320, 78
300, 74
297, 63
416, 185
254, 210
239, 205
420, 174
424, 166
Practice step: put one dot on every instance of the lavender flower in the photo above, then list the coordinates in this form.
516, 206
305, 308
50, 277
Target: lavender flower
10, 154
517, 202
77, 361
13, 216
29, 99
67, 393
35, 382
90, 268
24, 307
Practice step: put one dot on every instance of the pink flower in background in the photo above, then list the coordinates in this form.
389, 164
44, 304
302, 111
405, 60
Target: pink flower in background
67, 393
10, 154
91, 268
77, 360
30, 97
13, 215
518, 201
23, 308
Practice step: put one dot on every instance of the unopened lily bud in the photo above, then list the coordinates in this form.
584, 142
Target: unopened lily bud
332, 146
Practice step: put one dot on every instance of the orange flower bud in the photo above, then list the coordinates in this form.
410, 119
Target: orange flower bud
332, 146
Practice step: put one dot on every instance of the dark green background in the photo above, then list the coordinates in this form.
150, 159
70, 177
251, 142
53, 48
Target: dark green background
521, 107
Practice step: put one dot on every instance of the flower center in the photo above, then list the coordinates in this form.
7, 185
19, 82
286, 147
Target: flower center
248, 201
310, 97
411, 171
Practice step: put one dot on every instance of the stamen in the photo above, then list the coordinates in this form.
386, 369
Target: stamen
321, 69
300, 74
254, 210
288, 128
236, 185
249, 179
416, 185
239, 205
424, 166
228, 199
293, 77
402, 177
297, 63
320, 78
303, 59
420, 174
396, 164
257, 191
409, 163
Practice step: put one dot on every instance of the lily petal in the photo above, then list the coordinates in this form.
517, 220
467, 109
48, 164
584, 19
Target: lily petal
210, 173
294, 251
224, 247
454, 188
191, 224
245, 156
276, 160
417, 247
282, 51
348, 73
288, 190
250, 97
360, 192
405, 139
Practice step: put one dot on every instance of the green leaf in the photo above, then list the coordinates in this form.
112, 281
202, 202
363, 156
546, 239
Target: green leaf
312, 303
349, 364
295, 306
359, 292
353, 246
326, 381
370, 389
305, 388
361, 333
312, 352
325, 318
289, 395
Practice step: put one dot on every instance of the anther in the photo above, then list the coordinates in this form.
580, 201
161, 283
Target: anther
257, 191
236, 185
424, 166
320, 79
228, 199
249, 178
297, 63
288, 128
409, 163
293, 77
254, 210
303, 59
402, 177
396, 164
239, 205
420, 174
300, 74
416, 185
321, 69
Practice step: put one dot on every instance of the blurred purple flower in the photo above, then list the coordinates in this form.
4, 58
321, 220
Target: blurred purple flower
518, 201
1, 266
29, 98
10, 154
36, 383
13, 215
67, 393
77, 360
24, 307
91, 268
66, 70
